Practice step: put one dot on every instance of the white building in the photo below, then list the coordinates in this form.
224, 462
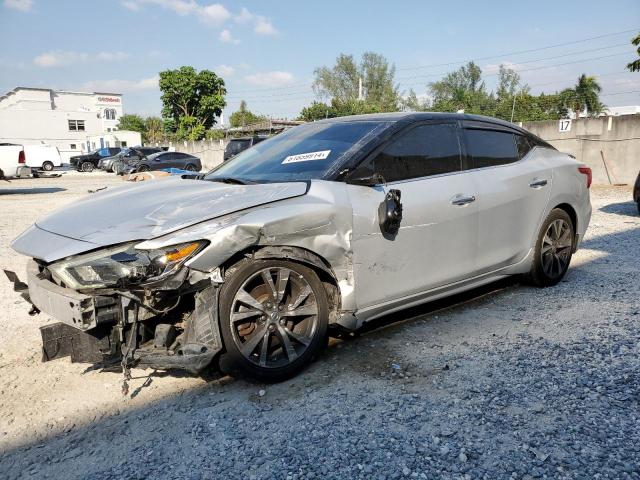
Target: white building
623, 110
75, 122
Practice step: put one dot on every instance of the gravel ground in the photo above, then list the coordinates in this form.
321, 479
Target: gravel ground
507, 381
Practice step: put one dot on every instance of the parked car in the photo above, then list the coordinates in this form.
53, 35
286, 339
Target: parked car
12, 161
237, 145
316, 231
161, 160
636, 192
89, 161
42, 157
132, 156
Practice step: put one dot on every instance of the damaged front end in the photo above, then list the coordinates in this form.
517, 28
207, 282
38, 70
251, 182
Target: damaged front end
141, 307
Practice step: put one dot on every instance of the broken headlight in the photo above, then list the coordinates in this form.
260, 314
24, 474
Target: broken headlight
122, 265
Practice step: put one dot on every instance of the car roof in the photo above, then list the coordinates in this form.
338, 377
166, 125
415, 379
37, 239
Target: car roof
420, 116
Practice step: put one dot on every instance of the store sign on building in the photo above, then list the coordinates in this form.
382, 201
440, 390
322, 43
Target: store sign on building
109, 99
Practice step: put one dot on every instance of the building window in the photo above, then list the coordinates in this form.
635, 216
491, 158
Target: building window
76, 125
93, 145
108, 129
110, 113
107, 143
73, 146
123, 144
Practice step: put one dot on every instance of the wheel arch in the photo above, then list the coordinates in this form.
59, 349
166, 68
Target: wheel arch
299, 255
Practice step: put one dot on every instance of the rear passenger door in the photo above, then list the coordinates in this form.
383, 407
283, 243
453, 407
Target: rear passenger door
437, 238
512, 192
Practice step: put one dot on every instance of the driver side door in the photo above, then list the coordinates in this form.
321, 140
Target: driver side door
436, 242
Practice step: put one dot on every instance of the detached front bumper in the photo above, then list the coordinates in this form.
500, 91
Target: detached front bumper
68, 306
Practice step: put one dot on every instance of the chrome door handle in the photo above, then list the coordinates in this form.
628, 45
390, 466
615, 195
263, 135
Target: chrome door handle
461, 200
538, 183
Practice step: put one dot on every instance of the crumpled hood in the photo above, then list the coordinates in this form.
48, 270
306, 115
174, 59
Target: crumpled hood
148, 210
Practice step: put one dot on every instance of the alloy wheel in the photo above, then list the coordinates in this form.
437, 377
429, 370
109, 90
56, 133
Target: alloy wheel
274, 317
556, 248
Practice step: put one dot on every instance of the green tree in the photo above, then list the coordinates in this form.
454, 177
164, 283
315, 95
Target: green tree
191, 100
635, 65
154, 130
341, 82
244, 117
462, 89
583, 97
316, 111
132, 122
412, 103
190, 128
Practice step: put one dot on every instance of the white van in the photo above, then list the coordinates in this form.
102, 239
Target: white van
12, 161
43, 157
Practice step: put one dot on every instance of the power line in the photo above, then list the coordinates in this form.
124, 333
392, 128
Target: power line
522, 51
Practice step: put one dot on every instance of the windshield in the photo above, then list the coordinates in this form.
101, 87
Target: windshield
302, 153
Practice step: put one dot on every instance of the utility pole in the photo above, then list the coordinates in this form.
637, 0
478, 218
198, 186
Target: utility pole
360, 88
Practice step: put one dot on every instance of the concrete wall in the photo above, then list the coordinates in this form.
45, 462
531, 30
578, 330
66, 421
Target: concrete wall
615, 138
210, 152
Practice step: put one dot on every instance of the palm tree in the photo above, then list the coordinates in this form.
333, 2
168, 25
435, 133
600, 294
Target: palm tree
584, 97
635, 65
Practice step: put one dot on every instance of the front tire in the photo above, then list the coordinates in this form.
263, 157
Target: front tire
274, 316
554, 249
142, 168
87, 167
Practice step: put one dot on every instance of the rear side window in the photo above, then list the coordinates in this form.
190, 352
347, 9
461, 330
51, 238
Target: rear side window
488, 148
421, 152
524, 145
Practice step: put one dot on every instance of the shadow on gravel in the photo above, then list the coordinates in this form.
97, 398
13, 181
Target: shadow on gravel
629, 209
30, 191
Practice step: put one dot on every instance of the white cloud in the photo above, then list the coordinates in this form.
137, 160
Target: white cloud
112, 56
270, 79
60, 58
245, 16
226, 37
118, 86
264, 27
214, 14
22, 5
225, 70
131, 5
261, 25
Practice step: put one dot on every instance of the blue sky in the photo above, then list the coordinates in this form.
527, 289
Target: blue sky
266, 50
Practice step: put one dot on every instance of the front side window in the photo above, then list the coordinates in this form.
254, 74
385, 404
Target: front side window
423, 151
489, 148
309, 151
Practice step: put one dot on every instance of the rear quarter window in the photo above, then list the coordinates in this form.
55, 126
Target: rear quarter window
489, 148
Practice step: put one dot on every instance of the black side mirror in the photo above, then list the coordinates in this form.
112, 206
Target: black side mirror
390, 214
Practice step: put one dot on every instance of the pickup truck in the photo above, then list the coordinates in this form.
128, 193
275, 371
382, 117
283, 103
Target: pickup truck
12, 161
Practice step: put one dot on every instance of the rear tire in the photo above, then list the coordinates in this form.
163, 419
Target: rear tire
190, 167
47, 166
274, 316
87, 167
553, 251
142, 168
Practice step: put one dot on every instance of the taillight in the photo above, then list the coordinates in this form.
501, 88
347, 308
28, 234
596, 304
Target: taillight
21, 157
586, 171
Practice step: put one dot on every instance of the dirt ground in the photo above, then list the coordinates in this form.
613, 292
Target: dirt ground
59, 419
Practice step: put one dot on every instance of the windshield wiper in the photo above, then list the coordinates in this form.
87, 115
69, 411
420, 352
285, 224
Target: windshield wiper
230, 180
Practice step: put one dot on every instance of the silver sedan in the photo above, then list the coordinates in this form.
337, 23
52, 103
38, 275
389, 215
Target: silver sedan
310, 233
